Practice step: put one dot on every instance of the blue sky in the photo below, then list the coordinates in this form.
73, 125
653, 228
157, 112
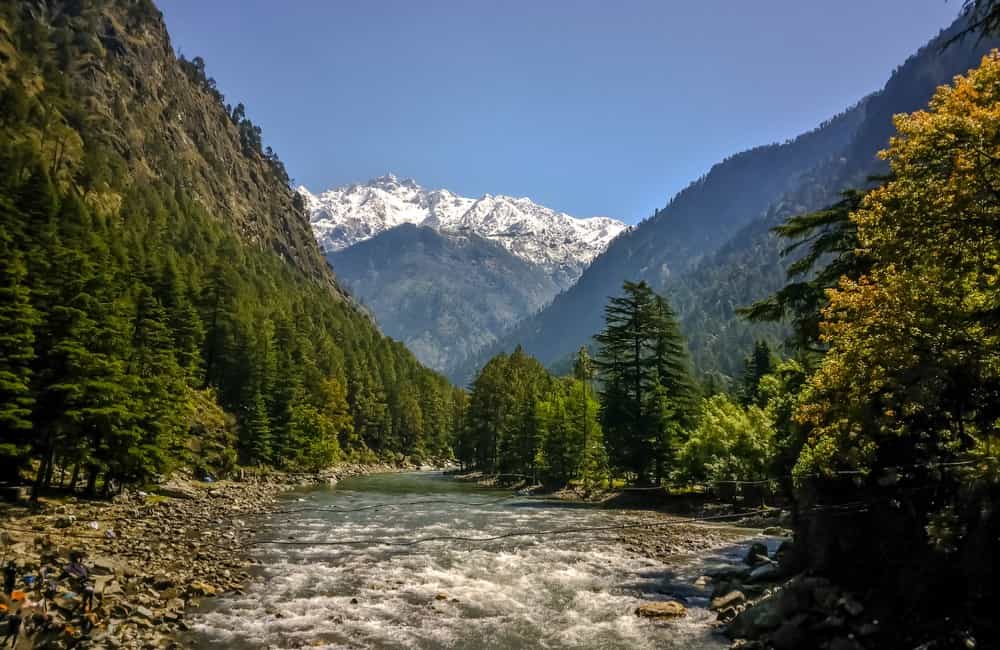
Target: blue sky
591, 107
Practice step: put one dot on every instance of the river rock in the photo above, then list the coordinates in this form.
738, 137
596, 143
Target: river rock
666, 609
199, 588
162, 582
788, 556
177, 489
755, 621
851, 606
845, 643
829, 624
756, 554
728, 600
790, 635
765, 573
65, 521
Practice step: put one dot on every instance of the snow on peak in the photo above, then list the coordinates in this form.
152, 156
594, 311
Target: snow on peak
553, 240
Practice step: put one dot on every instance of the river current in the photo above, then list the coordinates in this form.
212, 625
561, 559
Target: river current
574, 590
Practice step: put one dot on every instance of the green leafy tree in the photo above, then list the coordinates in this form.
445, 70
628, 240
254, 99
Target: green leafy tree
562, 441
730, 443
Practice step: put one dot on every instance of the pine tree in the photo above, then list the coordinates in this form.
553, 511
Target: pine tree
218, 309
594, 458
673, 367
649, 396
17, 338
158, 391
256, 430
628, 370
759, 363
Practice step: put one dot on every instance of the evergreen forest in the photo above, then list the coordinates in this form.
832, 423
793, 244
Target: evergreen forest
144, 328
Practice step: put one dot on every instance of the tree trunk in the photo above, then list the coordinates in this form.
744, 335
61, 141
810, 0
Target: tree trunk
43, 468
92, 473
75, 476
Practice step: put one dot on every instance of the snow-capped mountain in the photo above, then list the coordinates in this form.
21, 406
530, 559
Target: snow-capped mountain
557, 242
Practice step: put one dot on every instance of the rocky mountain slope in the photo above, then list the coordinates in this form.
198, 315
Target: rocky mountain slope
163, 118
710, 249
444, 296
559, 244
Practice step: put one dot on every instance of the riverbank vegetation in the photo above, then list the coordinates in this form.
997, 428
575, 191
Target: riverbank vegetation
881, 424
633, 412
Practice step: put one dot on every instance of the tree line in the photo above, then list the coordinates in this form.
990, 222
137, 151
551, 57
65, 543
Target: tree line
633, 412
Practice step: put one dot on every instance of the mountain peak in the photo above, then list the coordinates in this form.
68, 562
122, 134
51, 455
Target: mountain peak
390, 181
560, 243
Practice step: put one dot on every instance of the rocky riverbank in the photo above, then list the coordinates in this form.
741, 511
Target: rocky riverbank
149, 556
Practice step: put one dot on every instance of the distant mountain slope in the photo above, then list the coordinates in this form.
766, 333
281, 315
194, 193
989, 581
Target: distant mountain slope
444, 296
448, 274
710, 250
559, 244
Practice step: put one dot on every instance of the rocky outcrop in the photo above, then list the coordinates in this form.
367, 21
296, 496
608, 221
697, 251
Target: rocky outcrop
763, 608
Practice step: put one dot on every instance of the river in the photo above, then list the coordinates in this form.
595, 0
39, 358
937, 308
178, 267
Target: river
574, 590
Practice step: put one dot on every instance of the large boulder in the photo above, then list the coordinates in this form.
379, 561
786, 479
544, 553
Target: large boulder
788, 556
756, 621
665, 609
178, 489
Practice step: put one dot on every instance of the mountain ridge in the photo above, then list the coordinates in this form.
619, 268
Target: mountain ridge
698, 248
558, 243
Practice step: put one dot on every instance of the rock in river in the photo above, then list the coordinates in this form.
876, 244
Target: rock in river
666, 609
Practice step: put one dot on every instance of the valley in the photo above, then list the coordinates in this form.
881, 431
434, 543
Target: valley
239, 413
445, 274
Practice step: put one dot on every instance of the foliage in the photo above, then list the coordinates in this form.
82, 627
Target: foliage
730, 443
913, 372
522, 420
982, 17
832, 253
760, 363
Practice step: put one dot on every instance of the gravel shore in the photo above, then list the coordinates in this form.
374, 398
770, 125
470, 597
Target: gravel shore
149, 557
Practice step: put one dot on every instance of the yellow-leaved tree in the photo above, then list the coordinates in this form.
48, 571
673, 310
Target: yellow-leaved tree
912, 378
898, 476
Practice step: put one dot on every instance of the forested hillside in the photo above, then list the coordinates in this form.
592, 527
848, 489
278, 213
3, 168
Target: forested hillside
162, 300
710, 250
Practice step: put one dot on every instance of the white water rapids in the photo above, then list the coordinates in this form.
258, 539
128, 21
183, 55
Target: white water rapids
566, 591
